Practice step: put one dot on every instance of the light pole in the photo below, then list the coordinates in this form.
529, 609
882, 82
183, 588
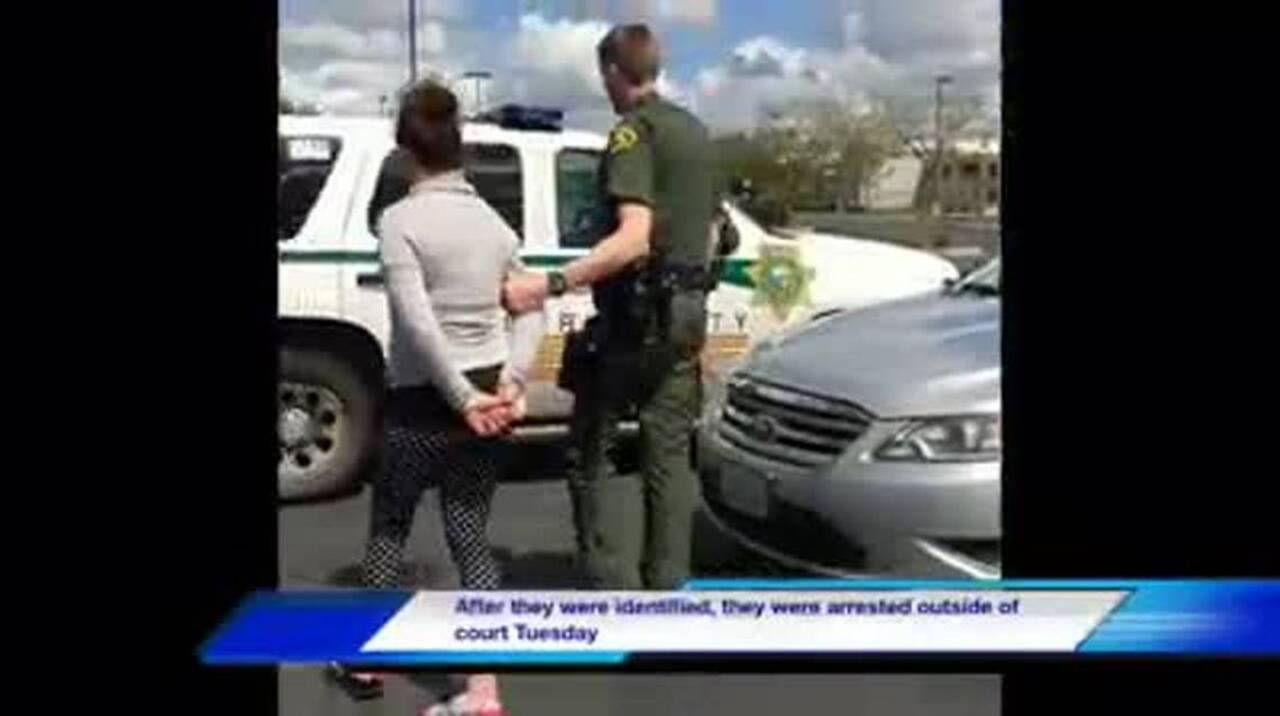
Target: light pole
940, 81
413, 42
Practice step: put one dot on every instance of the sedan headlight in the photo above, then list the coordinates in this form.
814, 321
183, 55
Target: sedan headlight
957, 438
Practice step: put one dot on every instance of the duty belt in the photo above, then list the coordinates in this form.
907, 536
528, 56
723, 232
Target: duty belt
683, 277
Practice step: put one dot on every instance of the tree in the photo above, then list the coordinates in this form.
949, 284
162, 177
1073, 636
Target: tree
819, 154
962, 117
755, 157
833, 152
854, 146
914, 118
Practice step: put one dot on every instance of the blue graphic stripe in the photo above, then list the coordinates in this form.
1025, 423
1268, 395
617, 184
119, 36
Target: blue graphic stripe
1229, 617
302, 626
964, 585
1223, 617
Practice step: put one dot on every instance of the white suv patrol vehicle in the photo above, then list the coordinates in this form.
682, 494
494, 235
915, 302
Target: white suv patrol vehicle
334, 328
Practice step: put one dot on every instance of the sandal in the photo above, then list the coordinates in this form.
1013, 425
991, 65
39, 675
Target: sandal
359, 686
463, 705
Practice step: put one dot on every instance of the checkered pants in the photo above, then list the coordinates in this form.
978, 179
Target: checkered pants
465, 471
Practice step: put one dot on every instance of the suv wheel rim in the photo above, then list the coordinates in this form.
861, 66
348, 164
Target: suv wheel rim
309, 426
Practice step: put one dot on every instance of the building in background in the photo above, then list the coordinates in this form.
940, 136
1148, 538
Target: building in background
971, 178
897, 184
970, 181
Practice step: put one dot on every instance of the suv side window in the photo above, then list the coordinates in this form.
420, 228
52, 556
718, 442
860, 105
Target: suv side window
304, 165
393, 183
494, 170
578, 199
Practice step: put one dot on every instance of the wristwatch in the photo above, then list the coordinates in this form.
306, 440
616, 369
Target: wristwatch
556, 283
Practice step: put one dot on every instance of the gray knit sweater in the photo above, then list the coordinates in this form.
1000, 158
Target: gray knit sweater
444, 254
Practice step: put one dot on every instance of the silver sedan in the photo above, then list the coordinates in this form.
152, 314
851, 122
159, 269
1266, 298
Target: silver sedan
868, 442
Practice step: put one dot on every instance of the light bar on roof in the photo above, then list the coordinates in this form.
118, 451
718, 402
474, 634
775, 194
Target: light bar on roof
515, 116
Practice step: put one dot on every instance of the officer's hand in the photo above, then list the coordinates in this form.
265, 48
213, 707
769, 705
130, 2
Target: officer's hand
524, 291
487, 414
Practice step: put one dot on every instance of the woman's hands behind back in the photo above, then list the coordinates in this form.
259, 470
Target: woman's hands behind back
488, 415
513, 393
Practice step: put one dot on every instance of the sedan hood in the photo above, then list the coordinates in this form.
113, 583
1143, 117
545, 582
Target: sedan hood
930, 355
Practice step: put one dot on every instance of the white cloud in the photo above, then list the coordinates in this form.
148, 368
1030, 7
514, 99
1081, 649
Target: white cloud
677, 92
546, 62
765, 72
557, 60
554, 62
348, 71
384, 14
346, 55
432, 38
854, 28
907, 31
892, 50
766, 57
326, 41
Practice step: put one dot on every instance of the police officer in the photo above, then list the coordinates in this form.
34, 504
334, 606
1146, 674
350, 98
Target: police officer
649, 277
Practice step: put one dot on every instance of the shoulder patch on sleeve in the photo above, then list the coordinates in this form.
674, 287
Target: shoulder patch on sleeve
622, 138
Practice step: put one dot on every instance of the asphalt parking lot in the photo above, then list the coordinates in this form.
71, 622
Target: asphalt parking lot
320, 545
303, 691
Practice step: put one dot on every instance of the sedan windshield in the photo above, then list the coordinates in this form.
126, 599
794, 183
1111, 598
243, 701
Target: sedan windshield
984, 281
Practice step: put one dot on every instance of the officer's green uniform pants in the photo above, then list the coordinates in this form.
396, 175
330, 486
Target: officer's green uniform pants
666, 393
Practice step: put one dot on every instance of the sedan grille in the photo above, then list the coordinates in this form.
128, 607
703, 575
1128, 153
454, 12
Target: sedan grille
788, 427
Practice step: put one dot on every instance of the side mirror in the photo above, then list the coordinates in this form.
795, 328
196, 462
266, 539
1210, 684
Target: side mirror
950, 283
727, 238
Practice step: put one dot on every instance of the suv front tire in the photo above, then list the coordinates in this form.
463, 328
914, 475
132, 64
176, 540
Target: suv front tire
326, 423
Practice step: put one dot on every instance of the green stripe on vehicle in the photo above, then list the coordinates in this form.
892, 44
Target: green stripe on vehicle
737, 272
328, 257
550, 261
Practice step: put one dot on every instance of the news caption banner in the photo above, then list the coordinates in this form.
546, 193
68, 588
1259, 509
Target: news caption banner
775, 617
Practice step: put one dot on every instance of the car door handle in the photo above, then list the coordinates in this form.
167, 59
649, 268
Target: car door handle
370, 280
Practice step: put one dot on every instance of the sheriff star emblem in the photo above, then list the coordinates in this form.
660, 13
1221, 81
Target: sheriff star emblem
622, 138
782, 280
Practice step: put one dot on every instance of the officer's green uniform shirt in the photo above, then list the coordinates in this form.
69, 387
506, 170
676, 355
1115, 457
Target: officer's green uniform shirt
659, 155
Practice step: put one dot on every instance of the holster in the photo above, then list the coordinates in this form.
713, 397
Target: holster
679, 300
686, 321
581, 353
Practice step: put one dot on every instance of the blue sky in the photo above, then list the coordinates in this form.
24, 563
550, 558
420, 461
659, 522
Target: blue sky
726, 59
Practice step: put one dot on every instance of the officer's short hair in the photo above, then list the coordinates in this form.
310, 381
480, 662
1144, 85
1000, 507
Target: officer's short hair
633, 49
427, 126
